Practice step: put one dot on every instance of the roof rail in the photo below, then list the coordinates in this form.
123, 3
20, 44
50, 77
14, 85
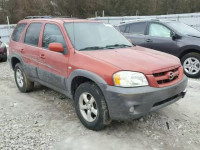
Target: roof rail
67, 17
38, 17
49, 17
155, 19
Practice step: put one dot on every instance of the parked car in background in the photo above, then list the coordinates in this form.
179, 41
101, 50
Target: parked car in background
3, 52
95, 65
170, 37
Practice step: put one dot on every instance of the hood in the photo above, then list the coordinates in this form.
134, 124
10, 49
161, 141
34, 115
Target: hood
137, 59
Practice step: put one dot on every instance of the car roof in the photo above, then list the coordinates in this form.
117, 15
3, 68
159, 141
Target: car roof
148, 20
56, 19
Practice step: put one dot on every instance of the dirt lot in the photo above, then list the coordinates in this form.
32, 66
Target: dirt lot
45, 119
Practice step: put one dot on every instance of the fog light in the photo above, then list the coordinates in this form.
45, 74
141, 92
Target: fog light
131, 110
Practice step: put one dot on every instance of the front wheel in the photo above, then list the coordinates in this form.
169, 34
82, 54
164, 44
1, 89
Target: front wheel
191, 65
91, 107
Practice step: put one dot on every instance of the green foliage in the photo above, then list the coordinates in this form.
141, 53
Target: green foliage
18, 9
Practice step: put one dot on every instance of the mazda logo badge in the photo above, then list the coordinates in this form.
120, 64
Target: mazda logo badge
171, 76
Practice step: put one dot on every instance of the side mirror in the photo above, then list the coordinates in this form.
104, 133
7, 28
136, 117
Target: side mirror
56, 47
173, 35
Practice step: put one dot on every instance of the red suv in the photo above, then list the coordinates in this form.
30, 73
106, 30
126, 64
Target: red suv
94, 64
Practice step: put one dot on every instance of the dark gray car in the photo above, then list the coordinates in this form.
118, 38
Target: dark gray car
171, 37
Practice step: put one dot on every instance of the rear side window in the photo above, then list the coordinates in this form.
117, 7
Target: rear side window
52, 34
33, 34
18, 32
137, 28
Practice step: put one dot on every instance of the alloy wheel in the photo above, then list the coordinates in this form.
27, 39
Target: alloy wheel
88, 107
20, 78
191, 65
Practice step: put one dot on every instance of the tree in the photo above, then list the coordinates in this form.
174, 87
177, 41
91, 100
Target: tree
18, 9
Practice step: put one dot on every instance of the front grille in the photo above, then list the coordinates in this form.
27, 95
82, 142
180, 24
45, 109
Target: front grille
167, 76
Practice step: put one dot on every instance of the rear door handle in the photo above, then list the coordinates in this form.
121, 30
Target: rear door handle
42, 56
149, 40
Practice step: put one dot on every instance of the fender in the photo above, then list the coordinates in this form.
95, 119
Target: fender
15, 55
87, 74
188, 48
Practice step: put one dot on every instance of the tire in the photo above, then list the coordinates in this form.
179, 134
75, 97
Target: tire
22, 81
4, 59
99, 120
191, 65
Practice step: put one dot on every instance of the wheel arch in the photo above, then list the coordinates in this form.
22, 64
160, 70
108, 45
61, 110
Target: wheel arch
80, 76
185, 52
15, 60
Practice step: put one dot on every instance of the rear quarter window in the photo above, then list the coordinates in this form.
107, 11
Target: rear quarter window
18, 32
33, 34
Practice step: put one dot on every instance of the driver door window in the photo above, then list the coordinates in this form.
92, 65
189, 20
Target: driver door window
159, 30
53, 34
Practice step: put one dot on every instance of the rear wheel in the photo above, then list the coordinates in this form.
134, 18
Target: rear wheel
91, 107
23, 83
191, 65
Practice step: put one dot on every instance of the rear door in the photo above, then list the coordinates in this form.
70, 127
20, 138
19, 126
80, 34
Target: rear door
16, 44
30, 49
53, 66
159, 38
136, 32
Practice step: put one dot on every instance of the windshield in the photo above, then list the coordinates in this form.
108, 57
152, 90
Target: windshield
93, 36
184, 29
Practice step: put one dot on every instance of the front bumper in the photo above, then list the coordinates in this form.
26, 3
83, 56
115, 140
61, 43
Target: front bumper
131, 103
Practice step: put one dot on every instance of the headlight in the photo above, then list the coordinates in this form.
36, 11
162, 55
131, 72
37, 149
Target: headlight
129, 79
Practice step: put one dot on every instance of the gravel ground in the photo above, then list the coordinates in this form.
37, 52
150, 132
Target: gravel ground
45, 120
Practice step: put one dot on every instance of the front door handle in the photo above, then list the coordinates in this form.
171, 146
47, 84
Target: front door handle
42, 56
22, 50
149, 40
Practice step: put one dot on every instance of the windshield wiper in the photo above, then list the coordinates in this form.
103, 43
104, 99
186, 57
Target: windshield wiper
92, 48
107, 47
118, 45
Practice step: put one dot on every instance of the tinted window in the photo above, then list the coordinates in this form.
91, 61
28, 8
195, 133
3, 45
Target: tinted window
159, 30
33, 34
137, 28
52, 34
18, 32
122, 28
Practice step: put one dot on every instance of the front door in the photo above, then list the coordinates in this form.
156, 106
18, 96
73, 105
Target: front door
159, 38
53, 66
